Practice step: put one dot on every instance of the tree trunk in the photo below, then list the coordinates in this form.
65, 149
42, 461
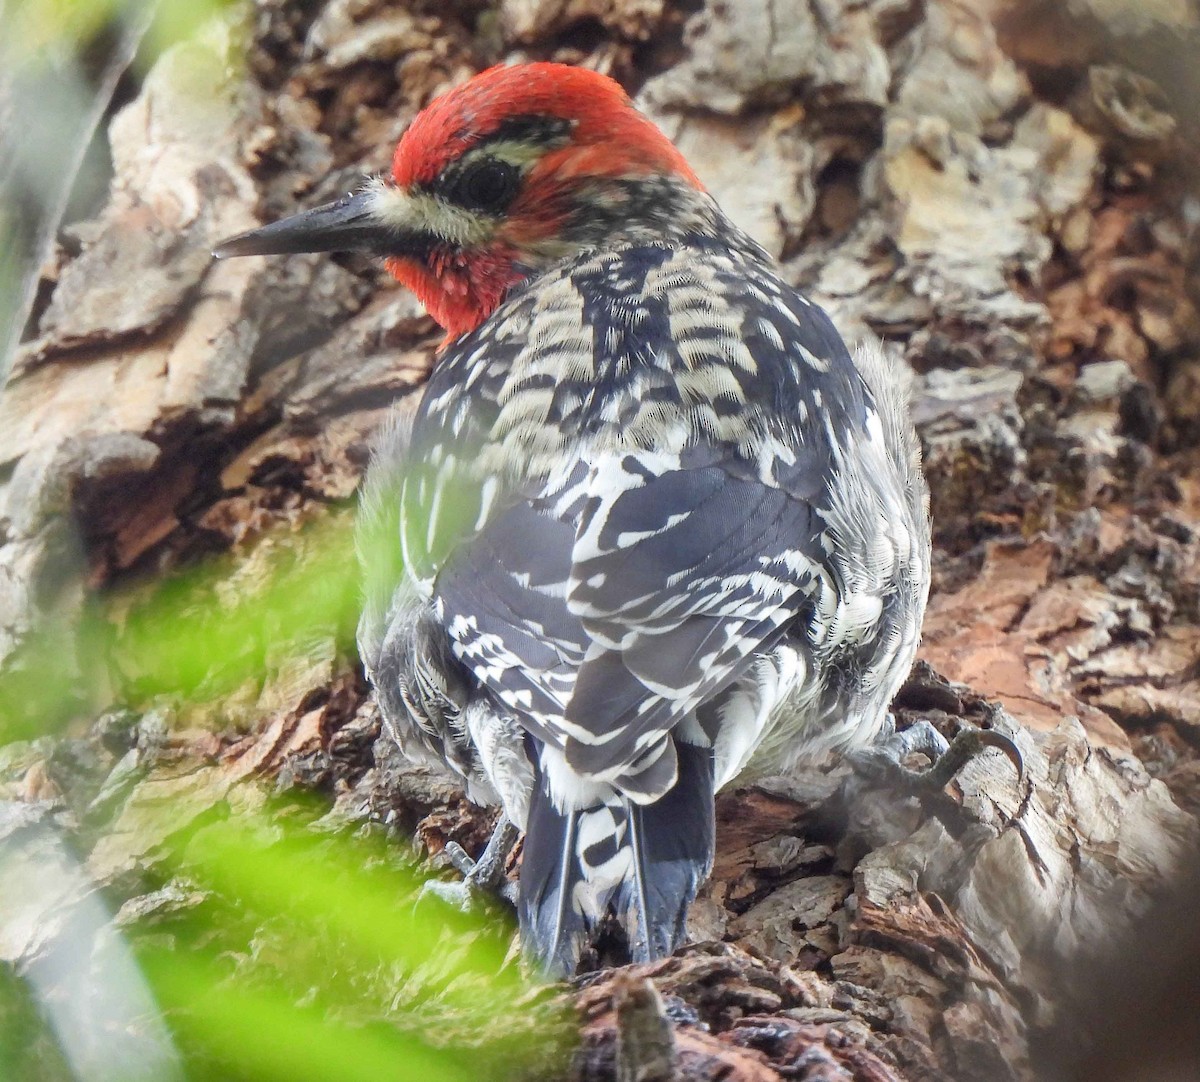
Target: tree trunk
1001, 189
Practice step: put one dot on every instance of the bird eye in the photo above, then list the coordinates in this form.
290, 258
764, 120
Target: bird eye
486, 185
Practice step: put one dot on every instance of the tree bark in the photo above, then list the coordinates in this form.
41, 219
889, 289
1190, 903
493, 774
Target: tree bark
1003, 189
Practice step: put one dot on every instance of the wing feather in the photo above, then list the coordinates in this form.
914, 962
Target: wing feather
608, 628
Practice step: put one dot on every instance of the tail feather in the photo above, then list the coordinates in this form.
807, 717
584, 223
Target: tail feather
640, 863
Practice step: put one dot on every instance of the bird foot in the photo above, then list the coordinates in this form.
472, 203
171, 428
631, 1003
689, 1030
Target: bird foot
483, 879
883, 763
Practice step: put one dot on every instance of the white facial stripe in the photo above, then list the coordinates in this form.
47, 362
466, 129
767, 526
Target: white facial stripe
513, 151
409, 211
420, 212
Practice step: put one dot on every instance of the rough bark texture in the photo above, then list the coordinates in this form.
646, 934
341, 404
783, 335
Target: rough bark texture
1000, 188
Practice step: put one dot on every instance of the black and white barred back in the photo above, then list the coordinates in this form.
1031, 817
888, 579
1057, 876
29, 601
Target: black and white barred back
655, 529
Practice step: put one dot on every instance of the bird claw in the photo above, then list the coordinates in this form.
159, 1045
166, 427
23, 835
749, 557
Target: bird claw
483, 879
964, 747
884, 763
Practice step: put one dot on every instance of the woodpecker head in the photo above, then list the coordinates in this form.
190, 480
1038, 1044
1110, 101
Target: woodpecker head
497, 180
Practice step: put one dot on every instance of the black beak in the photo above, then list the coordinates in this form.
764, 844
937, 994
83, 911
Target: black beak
350, 224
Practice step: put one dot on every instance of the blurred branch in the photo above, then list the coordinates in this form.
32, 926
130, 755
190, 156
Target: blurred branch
82, 973
50, 114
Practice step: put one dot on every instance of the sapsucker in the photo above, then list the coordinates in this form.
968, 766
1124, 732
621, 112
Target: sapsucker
651, 527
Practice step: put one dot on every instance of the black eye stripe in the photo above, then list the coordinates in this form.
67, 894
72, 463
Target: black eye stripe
538, 130
479, 181
483, 183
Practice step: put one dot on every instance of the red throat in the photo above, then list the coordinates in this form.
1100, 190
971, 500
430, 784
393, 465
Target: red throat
459, 293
